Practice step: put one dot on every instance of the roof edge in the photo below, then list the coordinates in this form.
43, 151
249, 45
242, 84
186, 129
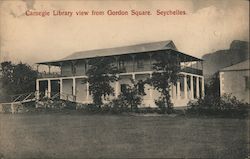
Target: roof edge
62, 60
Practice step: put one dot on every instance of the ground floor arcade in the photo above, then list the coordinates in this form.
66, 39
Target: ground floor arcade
188, 87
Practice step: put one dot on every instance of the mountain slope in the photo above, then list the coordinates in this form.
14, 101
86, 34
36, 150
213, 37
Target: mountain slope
213, 62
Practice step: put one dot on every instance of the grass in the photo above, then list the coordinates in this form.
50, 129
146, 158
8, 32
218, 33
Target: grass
59, 135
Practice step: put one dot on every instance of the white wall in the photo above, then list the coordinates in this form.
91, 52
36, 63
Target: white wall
81, 90
67, 88
234, 82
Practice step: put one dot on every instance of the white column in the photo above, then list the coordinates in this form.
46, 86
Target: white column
49, 88
87, 85
116, 89
197, 87
61, 88
173, 91
202, 87
74, 88
133, 76
12, 106
117, 84
221, 74
37, 89
37, 68
185, 87
178, 90
192, 87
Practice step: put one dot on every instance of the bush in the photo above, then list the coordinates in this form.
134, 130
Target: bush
225, 106
47, 105
89, 108
148, 110
118, 105
162, 106
132, 95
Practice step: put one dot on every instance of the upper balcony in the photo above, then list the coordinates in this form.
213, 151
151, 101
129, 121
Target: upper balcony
129, 67
133, 58
192, 70
193, 67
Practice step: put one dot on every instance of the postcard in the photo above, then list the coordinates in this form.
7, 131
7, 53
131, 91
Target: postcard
124, 79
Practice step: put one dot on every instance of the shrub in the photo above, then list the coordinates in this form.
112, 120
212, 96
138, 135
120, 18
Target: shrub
119, 105
128, 100
116, 106
227, 106
163, 106
48, 105
131, 97
148, 110
66, 104
90, 108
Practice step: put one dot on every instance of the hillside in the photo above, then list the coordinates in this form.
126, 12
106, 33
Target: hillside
213, 62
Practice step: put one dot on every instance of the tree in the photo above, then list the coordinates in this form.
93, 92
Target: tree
132, 95
100, 74
7, 70
213, 86
129, 99
18, 79
165, 73
25, 78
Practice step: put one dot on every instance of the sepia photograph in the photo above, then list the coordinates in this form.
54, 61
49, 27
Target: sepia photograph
118, 79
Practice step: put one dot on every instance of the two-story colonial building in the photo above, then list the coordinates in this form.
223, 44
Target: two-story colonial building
136, 61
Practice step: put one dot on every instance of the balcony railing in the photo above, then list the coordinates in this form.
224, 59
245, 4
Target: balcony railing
191, 70
49, 75
127, 69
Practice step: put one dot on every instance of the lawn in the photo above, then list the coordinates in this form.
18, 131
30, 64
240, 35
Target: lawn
59, 135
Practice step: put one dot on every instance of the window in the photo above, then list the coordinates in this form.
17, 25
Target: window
247, 82
140, 64
121, 64
85, 66
73, 69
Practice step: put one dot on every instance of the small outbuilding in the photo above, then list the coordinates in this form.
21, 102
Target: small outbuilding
235, 80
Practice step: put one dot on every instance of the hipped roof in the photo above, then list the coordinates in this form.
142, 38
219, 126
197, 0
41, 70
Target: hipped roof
132, 49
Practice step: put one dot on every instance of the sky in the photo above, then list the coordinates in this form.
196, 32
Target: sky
208, 26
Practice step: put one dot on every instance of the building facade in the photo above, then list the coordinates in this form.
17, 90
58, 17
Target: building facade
235, 80
136, 61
